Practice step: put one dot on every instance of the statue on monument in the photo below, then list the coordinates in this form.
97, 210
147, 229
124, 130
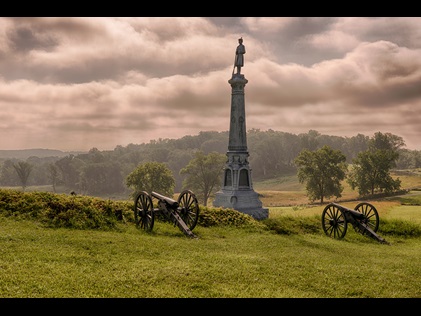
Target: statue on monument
239, 56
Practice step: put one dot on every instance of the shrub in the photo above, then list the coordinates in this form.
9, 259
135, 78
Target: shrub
61, 210
225, 217
398, 227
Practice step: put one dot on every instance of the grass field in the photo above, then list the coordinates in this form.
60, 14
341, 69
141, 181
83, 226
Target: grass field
295, 261
224, 262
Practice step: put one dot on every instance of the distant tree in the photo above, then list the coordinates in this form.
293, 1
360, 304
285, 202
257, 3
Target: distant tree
204, 174
23, 169
218, 145
386, 141
178, 159
417, 158
269, 147
95, 156
408, 159
356, 144
272, 153
54, 175
322, 171
8, 175
70, 168
309, 141
101, 178
159, 154
152, 176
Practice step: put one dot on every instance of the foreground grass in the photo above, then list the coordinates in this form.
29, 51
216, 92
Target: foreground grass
224, 262
58, 246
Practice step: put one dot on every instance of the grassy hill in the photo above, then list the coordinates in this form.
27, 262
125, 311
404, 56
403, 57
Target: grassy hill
60, 246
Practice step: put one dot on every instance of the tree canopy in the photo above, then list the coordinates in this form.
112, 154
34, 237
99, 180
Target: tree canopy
204, 174
370, 171
152, 176
322, 171
272, 155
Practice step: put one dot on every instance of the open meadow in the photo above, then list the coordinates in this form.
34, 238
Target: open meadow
285, 256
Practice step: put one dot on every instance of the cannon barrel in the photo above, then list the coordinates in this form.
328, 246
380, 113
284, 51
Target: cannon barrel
354, 213
168, 201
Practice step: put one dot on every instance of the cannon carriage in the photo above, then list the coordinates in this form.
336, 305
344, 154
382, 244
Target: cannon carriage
364, 219
183, 212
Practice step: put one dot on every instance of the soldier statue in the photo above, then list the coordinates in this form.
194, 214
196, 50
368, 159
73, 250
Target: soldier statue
239, 56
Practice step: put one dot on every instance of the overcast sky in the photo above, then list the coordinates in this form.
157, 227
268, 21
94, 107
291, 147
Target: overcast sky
74, 83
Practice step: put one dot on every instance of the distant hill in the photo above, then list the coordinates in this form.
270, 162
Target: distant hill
38, 152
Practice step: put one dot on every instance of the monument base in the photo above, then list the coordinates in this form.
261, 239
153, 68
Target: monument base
244, 201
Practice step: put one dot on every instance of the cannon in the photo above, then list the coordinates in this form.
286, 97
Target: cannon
183, 213
364, 218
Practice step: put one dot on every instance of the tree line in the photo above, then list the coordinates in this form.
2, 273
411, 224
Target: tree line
272, 154
323, 170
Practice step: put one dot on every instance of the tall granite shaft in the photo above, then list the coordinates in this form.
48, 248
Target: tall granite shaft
237, 189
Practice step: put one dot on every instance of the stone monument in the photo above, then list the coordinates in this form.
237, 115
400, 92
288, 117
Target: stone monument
237, 188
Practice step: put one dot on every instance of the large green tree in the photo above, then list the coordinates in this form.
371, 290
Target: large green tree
204, 174
370, 172
322, 171
152, 176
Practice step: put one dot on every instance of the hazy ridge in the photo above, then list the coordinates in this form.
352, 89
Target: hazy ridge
38, 152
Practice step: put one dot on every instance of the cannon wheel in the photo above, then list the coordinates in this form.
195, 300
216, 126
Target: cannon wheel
334, 222
143, 211
371, 215
188, 208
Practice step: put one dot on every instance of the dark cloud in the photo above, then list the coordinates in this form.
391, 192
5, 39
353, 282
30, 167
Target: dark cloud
24, 40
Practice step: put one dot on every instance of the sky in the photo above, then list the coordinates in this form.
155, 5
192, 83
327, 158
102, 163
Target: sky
77, 83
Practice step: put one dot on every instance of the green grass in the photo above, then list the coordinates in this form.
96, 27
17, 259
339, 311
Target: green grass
285, 256
222, 263
284, 183
59, 246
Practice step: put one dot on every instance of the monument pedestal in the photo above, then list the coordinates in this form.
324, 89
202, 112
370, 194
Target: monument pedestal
245, 201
